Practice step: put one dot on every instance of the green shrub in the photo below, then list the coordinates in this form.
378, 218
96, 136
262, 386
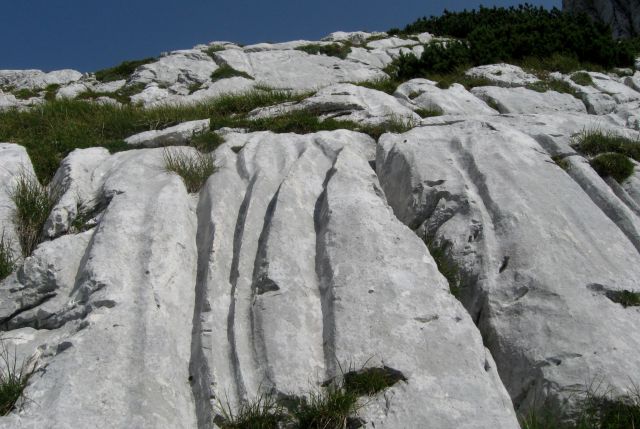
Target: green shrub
211, 50
13, 379
626, 298
193, 168
33, 204
613, 165
262, 413
340, 50
371, 381
7, 262
544, 39
225, 71
122, 71
582, 78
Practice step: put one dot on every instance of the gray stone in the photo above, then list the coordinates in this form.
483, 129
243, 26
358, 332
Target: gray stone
506, 75
455, 100
523, 100
176, 135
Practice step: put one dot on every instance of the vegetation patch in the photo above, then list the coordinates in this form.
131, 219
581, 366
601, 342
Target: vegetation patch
264, 412
550, 84
7, 262
626, 298
122, 95
211, 50
613, 165
330, 407
193, 168
594, 142
371, 381
430, 112
26, 93
51, 130
447, 267
123, 70
225, 71
582, 78
33, 204
206, 142
561, 161
13, 378
386, 85
340, 50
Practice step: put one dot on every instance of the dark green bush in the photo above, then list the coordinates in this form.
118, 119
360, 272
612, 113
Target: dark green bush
122, 71
225, 71
514, 34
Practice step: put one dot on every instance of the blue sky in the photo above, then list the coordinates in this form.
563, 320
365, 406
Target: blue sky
90, 34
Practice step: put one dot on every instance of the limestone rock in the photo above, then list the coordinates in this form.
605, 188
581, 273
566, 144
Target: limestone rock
173, 136
37, 79
455, 100
523, 100
506, 75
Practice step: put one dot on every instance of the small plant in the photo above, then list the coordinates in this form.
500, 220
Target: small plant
446, 266
385, 85
613, 165
550, 84
50, 91
561, 162
33, 203
13, 378
430, 112
582, 78
595, 142
225, 71
371, 381
193, 168
7, 262
211, 50
330, 407
207, 142
625, 297
123, 70
26, 93
340, 50
264, 412
196, 86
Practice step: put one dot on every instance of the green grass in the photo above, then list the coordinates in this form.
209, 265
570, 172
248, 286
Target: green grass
626, 298
193, 168
122, 95
211, 50
340, 50
33, 204
550, 84
206, 142
594, 411
384, 84
613, 165
52, 130
264, 412
582, 78
225, 71
26, 93
561, 162
7, 262
123, 70
371, 381
13, 379
594, 142
430, 112
446, 266
326, 408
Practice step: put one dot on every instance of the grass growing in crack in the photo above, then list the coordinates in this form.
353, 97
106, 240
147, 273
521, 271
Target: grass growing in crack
550, 84
193, 168
225, 71
386, 85
430, 112
7, 262
340, 50
123, 70
264, 412
206, 142
211, 50
13, 378
122, 95
582, 78
561, 162
626, 298
442, 257
594, 411
595, 142
26, 93
33, 204
613, 165
50, 131
371, 381
327, 408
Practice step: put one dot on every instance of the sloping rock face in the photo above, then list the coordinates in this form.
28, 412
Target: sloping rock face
622, 15
477, 255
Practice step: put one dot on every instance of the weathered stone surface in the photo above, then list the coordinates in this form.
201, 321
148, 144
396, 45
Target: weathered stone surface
173, 136
523, 100
503, 74
455, 100
614, 87
347, 102
37, 79
180, 67
536, 255
623, 16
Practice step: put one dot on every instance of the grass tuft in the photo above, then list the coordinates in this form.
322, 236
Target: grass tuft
13, 379
264, 412
123, 70
330, 407
582, 78
340, 50
370, 381
211, 50
193, 168
595, 142
626, 298
7, 262
33, 204
430, 112
225, 71
613, 165
384, 84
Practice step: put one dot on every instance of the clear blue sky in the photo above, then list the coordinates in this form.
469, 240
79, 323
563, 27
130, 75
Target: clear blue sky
91, 34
